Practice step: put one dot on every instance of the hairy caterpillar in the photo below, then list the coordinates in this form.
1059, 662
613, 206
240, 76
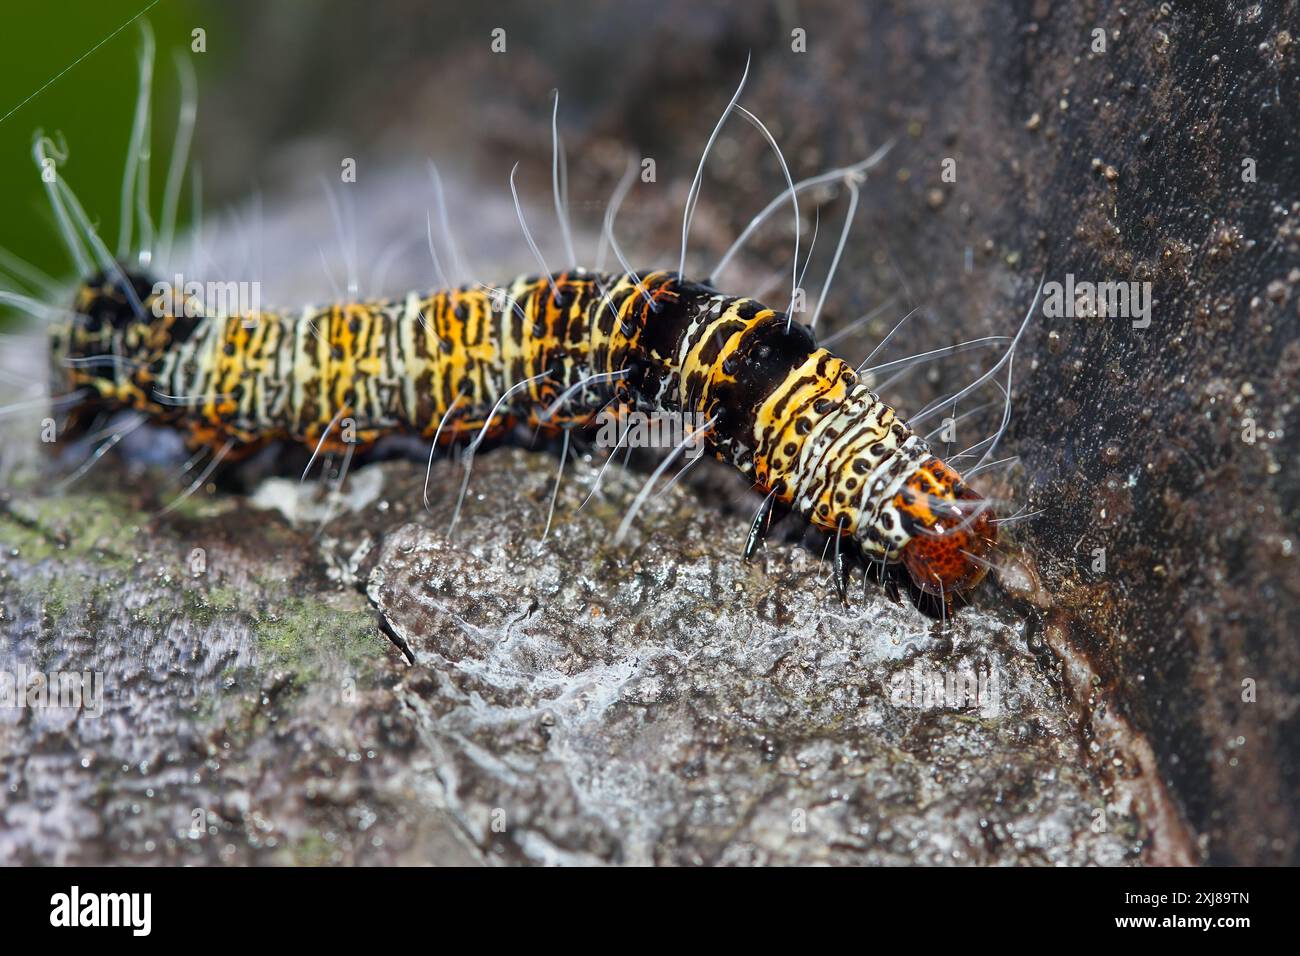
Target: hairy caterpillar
552, 351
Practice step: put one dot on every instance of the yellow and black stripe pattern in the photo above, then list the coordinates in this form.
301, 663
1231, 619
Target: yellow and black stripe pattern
793, 417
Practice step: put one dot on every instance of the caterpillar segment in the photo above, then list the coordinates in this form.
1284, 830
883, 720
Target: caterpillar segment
551, 352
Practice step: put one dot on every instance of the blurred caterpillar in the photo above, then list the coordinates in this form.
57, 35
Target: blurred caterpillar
553, 350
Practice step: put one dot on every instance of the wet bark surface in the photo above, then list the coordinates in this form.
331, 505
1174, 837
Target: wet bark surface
660, 701
563, 702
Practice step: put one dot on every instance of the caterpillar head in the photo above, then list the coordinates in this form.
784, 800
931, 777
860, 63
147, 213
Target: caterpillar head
953, 530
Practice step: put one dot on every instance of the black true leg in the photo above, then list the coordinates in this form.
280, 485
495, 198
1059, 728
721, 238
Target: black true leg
887, 576
841, 570
762, 524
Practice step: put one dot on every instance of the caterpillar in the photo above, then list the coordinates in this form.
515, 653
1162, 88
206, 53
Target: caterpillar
455, 364
552, 350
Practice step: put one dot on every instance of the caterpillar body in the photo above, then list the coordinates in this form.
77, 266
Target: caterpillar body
551, 351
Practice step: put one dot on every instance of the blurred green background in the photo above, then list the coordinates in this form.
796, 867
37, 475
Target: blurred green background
287, 88
91, 104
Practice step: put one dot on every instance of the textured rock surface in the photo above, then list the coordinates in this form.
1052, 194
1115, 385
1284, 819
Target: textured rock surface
658, 702
661, 701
